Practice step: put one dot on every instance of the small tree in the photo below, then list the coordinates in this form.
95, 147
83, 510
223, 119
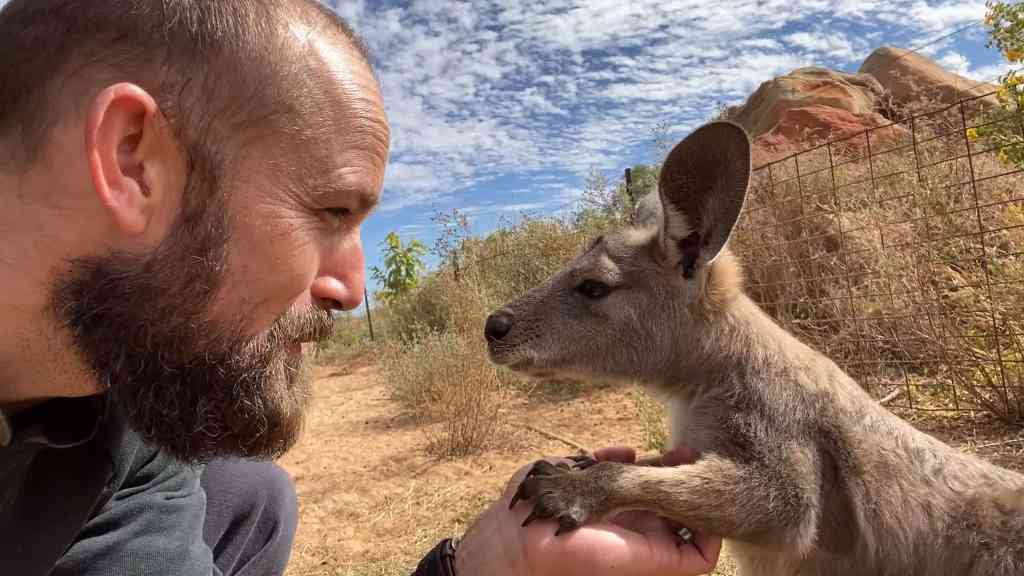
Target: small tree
605, 202
402, 267
608, 203
1006, 22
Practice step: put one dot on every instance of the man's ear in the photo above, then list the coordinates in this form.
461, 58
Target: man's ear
130, 154
702, 186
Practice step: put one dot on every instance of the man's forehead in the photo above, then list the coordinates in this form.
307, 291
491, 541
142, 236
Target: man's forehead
335, 140
337, 55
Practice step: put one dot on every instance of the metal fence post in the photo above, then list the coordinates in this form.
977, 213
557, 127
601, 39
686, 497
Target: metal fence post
369, 316
629, 186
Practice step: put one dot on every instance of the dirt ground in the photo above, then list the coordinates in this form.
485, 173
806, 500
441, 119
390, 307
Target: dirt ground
373, 502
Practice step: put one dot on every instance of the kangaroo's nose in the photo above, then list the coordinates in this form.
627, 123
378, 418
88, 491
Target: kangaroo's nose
498, 326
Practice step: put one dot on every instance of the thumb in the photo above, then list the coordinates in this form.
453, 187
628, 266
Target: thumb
622, 454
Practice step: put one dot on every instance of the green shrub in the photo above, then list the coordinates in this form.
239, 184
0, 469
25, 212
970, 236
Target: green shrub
402, 267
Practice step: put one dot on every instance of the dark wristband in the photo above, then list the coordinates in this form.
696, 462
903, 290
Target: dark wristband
440, 561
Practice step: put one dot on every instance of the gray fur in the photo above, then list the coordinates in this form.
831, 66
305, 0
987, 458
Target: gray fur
801, 470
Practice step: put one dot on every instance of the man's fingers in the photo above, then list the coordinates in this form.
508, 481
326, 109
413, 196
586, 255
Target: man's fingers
514, 483
708, 546
616, 454
681, 454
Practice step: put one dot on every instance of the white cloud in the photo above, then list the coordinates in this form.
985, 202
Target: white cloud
479, 89
936, 18
525, 207
831, 44
989, 73
416, 230
954, 62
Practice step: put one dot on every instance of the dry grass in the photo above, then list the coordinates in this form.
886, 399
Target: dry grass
349, 341
651, 415
437, 363
372, 500
443, 378
484, 273
898, 267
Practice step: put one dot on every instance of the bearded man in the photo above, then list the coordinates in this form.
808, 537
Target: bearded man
182, 184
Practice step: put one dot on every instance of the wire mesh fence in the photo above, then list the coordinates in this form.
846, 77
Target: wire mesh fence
897, 252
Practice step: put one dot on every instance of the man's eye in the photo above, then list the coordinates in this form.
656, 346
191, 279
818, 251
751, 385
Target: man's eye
338, 213
593, 289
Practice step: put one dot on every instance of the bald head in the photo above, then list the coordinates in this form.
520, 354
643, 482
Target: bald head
215, 67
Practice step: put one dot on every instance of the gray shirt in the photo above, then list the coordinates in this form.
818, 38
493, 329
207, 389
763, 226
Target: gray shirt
82, 494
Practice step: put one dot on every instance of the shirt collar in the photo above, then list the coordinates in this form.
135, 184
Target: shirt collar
56, 423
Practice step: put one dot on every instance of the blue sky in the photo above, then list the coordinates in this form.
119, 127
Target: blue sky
499, 106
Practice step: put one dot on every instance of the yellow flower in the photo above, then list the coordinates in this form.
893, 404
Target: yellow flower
972, 134
1013, 55
1002, 94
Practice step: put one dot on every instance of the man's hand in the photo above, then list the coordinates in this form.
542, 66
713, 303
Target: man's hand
638, 543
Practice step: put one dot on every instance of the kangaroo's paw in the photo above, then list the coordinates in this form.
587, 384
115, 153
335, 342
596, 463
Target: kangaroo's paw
557, 492
583, 460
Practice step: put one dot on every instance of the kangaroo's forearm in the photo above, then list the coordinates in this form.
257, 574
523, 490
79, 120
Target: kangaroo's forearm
713, 495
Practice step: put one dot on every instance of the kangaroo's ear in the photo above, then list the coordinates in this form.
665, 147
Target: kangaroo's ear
702, 186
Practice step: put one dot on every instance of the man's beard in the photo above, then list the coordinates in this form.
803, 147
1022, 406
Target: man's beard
193, 386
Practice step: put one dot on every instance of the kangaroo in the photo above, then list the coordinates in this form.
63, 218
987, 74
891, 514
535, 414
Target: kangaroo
800, 470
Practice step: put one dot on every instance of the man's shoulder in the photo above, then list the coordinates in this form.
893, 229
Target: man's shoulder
152, 507
83, 451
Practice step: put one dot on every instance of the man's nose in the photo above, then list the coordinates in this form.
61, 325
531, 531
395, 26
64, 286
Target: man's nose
341, 277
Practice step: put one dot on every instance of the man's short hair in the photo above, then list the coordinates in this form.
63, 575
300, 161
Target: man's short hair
214, 66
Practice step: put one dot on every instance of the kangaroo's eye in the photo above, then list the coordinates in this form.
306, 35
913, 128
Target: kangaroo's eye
593, 289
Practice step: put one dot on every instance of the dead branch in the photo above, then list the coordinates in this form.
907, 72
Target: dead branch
1002, 443
552, 436
891, 396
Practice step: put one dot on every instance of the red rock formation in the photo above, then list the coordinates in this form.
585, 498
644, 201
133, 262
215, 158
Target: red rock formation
811, 106
917, 82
